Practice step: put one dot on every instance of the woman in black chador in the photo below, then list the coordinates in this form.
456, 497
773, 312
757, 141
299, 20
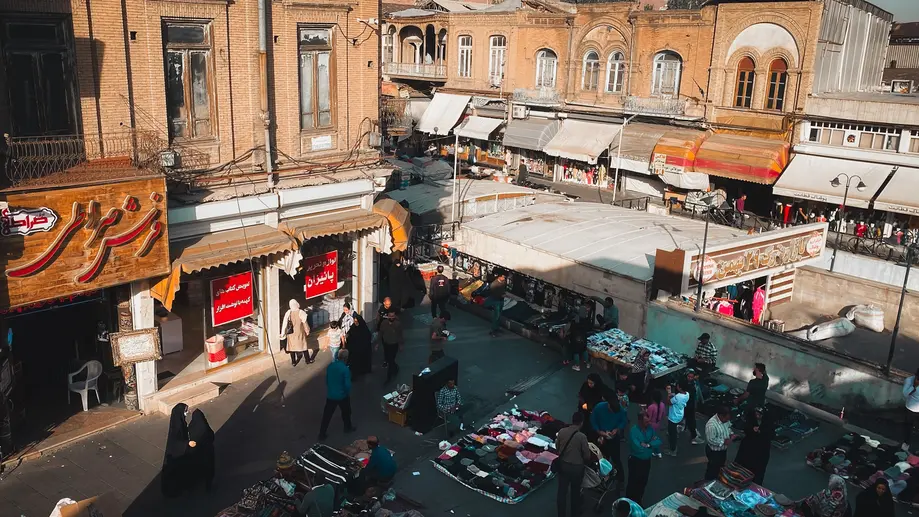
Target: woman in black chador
174, 475
201, 452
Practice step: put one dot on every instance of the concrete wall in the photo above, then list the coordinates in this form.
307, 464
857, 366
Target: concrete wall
630, 295
876, 270
796, 370
831, 292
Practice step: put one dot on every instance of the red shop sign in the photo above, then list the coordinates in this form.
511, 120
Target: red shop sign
321, 274
231, 298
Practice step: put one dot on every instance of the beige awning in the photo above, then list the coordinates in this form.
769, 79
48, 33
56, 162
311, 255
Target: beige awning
332, 223
229, 246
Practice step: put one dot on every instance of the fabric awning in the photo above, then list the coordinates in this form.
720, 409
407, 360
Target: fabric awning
582, 141
900, 194
443, 113
400, 225
638, 141
532, 134
479, 128
809, 177
686, 180
334, 223
675, 152
745, 158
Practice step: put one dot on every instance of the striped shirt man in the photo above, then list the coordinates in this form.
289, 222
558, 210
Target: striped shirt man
717, 433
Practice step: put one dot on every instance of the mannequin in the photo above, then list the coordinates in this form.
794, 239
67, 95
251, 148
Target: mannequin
297, 345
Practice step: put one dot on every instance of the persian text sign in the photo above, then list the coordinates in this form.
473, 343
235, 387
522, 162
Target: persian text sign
734, 263
231, 298
65, 241
321, 274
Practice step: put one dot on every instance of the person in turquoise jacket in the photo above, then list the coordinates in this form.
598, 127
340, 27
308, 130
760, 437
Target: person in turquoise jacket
643, 444
338, 394
609, 421
381, 467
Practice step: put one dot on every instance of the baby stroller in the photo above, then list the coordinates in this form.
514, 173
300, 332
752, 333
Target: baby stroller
599, 477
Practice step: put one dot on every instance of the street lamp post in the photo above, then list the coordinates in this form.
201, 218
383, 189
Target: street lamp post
701, 273
836, 183
896, 327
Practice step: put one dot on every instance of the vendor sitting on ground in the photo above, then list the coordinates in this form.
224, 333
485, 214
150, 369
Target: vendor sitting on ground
381, 468
318, 502
450, 405
706, 356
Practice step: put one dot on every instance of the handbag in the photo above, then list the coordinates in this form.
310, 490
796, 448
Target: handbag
289, 329
556, 463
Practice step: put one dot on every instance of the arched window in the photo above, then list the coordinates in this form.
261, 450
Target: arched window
778, 80
591, 73
743, 91
497, 49
546, 65
389, 45
667, 70
465, 56
615, 72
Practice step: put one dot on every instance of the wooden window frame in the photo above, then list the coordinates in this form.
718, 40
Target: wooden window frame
541, 62
590, 79
743, 83
464, 67
778, 80
615, 68
496, 70
207, 48
659, 65
315, 51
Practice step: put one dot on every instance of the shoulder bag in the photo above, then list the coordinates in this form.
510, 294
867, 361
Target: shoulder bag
556, 463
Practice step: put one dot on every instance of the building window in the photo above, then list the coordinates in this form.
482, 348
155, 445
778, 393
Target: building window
667, 70
914, 142
853, 135
615, 72
315, 77
497, 49
189, 103
893, 63
591, 73
42, 98
546, 64
778, 80
465, 56
743, 96
389, 40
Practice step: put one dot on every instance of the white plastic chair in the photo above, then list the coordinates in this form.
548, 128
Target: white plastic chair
93, 371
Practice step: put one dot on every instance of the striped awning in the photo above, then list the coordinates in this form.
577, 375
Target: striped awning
334, 223
400, 225
745, 158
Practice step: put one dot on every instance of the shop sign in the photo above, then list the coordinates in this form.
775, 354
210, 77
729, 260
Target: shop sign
321, 272
788, 251
231, 298
67, 241
321, 143
659, 165
136, 346
26, 222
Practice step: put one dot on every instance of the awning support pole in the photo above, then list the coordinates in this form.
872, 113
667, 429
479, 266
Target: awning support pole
455, 174
619, 156
896, 326
701, 273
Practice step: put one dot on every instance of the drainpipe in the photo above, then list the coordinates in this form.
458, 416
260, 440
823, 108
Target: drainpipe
263, 84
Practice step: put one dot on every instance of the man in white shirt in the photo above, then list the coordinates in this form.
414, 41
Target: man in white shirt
718, 436
677, 402
911, 394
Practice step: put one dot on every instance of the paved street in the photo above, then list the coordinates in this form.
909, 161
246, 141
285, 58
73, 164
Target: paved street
253, 426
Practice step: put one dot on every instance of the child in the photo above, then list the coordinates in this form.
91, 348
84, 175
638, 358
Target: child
336, 339
677, 402
656, 410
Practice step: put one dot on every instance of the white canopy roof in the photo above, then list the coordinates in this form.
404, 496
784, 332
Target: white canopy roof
479, 128
901, 194
809, 177
443, 113
582, 141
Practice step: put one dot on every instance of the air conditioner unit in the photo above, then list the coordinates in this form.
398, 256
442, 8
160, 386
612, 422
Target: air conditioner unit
519, 111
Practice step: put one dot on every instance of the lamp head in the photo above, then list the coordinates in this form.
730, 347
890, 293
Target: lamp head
835, 182
861, 186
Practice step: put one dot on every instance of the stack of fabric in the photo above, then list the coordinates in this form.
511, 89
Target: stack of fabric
622, 347
506, 459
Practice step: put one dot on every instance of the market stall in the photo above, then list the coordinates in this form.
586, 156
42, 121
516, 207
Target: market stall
620, 348
507, 458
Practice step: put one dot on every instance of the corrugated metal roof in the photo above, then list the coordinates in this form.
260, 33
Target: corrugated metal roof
607, 237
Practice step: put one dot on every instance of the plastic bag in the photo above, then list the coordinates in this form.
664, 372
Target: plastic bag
870, 317
835, 328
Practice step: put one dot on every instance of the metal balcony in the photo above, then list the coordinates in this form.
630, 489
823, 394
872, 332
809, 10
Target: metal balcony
537, 96
655, 106
416, 71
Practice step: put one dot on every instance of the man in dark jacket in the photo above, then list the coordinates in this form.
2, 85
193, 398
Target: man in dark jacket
338, 394
574, 454
439, 292
495, 301
391, 337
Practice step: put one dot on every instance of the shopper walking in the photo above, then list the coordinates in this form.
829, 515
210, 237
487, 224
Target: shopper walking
875, 501
911, 394
756, 444
609, 421
676, 403
439, 337
657, 411
756, 388
718, 436
391, 337
439, 292
201, 453
495, 301
695, 399
174, 475
360, 346
574, 454
338, 394
643, 444
295, 329
400, 286
577, 346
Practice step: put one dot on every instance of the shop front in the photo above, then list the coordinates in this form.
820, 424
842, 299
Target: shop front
480, 141
525, 141
582, 149
69, 257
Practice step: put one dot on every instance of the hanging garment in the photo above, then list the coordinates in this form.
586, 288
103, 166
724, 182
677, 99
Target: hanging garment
759, 303
725, 307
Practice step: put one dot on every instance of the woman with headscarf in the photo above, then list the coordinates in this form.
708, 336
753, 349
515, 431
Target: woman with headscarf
174, 473
589, 396
756, 444
875, 501
359, 343
201, 453
295, 329
832, 501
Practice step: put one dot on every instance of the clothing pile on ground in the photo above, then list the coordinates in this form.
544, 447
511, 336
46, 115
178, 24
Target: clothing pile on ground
620, 347
506, 459
733, 494
791, 426
862, 460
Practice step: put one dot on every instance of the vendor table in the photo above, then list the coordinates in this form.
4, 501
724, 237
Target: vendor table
620, 348
724, 501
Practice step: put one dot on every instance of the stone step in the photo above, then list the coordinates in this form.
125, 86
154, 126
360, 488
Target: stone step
193, 396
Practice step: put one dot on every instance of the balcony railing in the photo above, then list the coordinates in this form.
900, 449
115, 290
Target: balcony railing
655, 106
541, 96
412, 70
32, 160
396, 119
